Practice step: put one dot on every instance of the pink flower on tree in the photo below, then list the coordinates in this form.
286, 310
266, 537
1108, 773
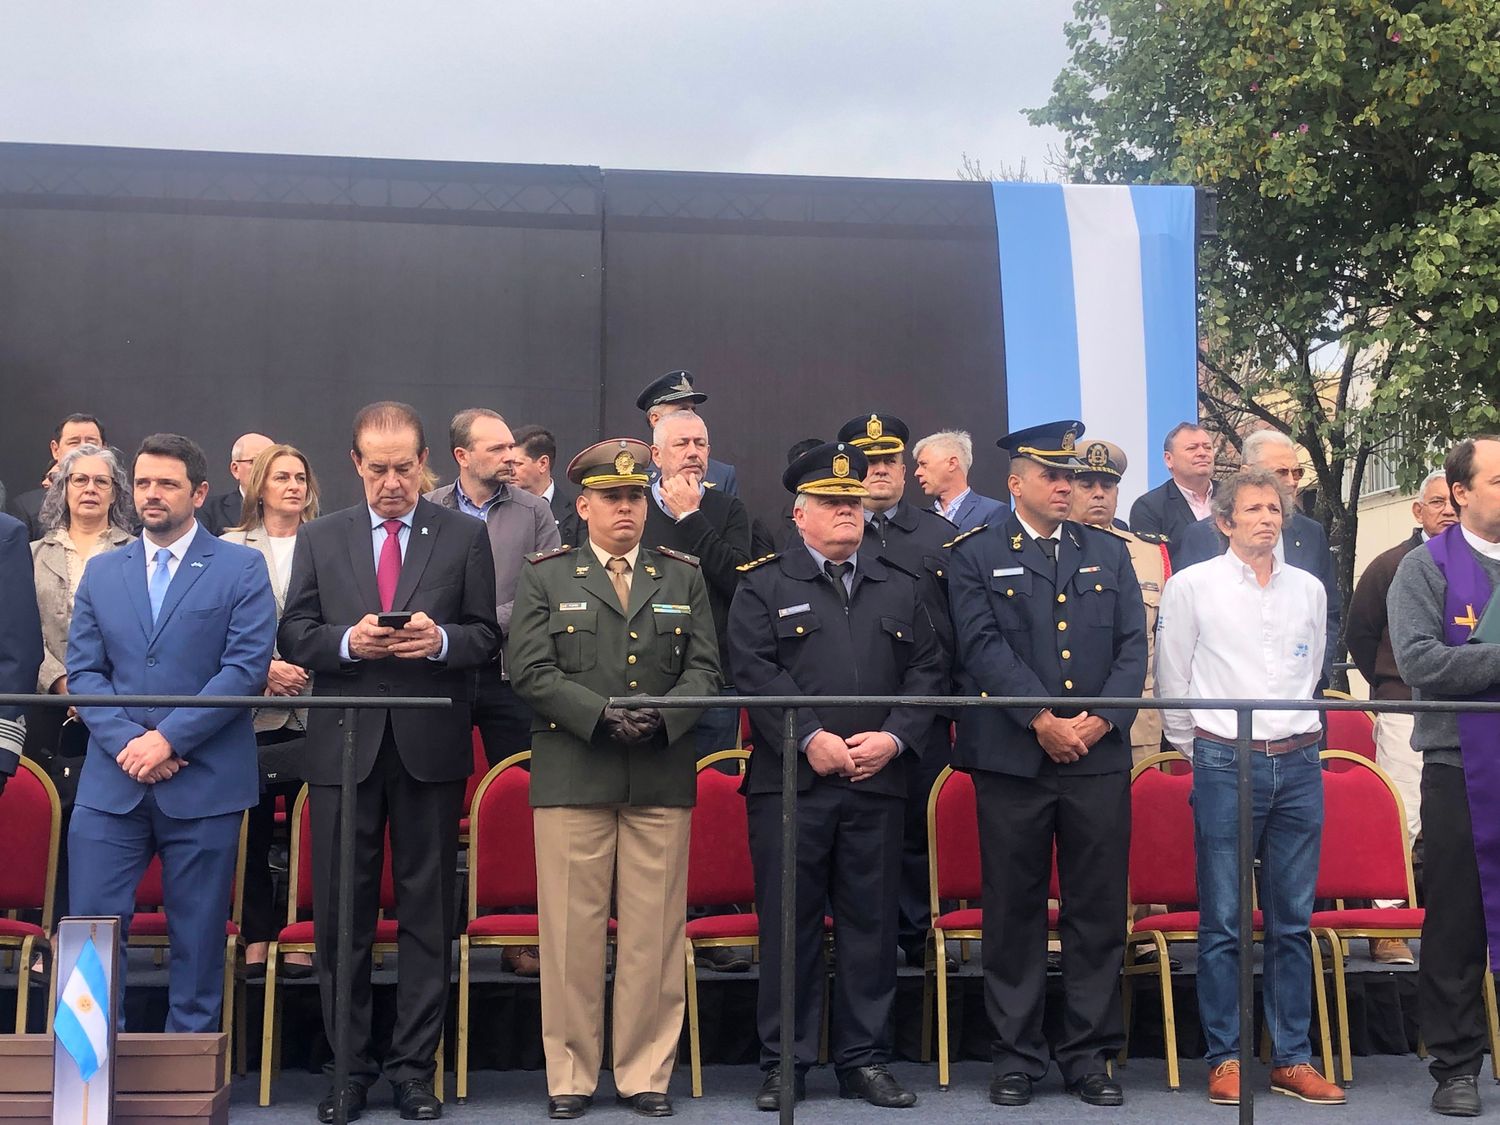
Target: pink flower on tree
1395, 37
1302, 128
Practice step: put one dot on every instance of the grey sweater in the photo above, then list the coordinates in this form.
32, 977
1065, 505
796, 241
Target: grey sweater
1433, 668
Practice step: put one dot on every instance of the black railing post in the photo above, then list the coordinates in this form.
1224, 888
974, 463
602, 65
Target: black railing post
788, 983
1245, 791
343, 979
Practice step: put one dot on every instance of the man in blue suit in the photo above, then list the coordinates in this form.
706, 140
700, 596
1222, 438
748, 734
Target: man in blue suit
20, 639
177, 612
943, 463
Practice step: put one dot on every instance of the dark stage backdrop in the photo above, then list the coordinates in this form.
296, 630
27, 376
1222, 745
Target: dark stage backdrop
215, 293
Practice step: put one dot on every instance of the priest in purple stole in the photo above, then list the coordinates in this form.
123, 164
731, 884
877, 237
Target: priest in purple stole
1438, 597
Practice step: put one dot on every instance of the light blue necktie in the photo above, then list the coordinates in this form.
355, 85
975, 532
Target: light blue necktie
161, 578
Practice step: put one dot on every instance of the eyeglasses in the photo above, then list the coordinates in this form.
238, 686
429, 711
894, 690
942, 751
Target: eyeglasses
1437, 503
81, 480
243, 461
1289, 474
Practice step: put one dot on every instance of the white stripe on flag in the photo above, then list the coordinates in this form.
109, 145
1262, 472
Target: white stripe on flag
82, 1024
1111, 325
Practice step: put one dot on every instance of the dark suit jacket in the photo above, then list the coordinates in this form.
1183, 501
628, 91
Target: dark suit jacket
220, 513
977, 510
1369, 633
1305, 546
20, 634
1163, 511
718, 533
1017, 638
27, 507
790, 635
562, 503
449, 574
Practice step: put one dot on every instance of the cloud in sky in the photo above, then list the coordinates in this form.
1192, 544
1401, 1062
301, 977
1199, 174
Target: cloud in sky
874, 88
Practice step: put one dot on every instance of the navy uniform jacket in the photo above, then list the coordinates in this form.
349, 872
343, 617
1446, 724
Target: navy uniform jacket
717, 475
789, 635
917, 539
1304, 544
1022, 635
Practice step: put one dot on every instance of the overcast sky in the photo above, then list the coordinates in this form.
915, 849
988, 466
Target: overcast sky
866, 88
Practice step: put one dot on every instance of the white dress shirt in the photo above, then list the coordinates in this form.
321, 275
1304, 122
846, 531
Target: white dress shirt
178, 547
1201, 505
1221, 635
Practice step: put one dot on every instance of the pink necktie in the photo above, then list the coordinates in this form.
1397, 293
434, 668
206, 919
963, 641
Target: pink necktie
388, 573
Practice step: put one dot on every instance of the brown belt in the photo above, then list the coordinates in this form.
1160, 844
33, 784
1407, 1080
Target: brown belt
1271, 746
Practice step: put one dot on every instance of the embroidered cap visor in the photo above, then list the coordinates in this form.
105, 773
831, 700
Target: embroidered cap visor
611, 464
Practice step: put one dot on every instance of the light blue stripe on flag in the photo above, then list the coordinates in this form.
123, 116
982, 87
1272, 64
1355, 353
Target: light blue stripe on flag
1166, 217
1036, 297
82, 1020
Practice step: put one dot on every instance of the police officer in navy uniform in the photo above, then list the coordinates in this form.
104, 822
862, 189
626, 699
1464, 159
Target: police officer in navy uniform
832, 616
916, 538
1049, 608
675, 391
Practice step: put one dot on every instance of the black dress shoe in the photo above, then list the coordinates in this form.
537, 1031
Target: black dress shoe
565, 1107
1098, 1089
648, 1104
355, 1104
876, 1085
769, 1096
1011, 1089
1457, 1097
416, 1101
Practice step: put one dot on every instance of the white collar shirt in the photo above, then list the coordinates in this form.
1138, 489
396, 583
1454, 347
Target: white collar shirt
178, 548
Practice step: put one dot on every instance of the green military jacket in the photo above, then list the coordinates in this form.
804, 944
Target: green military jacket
572, 648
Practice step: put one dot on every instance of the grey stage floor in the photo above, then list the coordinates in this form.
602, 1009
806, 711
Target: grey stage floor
1390, 1089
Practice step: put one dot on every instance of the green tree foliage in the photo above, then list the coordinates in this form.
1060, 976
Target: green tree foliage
1355, 151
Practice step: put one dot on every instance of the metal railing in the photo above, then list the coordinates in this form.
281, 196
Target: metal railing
1244, 710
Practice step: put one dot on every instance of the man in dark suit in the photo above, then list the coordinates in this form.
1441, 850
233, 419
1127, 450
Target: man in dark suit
1049, 608
1304, 543
1168, 509
943, 463
612, 788
395, 553
531, 459
176, 612
20, 639
71, 432
223, 511
830, 616
915, 538
683, 513
674, 392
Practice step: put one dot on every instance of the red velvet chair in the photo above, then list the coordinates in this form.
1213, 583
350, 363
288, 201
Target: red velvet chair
481, 769
30, 824
1349, 730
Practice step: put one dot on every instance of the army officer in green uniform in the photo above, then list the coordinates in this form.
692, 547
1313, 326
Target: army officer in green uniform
612, 788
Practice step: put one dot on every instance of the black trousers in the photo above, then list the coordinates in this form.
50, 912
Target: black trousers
1089, 817
504, 721
1450, 1002
423, 821
848, 854
262, 911
916, 885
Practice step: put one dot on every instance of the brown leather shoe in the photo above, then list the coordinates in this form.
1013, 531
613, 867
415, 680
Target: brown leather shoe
1302, 1081
1391, 951
524, 961
1224, 1083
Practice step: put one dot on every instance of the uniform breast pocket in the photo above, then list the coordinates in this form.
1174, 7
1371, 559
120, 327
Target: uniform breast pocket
673, 632
1011, 595
1093, 600
575, 637
793, 632
898, 633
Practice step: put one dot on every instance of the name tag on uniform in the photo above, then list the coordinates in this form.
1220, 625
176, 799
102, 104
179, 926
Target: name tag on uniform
1007, 571
564, 607
1152, 586
791, 609
661, 607
1089, 569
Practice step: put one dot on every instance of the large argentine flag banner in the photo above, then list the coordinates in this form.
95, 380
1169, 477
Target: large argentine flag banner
1098, 290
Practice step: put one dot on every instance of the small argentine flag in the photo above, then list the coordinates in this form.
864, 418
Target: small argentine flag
82, 1020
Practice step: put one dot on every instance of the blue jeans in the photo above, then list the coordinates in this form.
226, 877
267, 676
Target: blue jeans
1288, 828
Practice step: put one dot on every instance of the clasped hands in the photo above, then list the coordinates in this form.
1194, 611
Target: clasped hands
1067, 740
630, 725
859, 757
681, 493
418, 639
148, 758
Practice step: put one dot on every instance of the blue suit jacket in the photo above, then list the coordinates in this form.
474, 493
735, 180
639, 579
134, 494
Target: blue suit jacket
977, 510
20, 632
214, 636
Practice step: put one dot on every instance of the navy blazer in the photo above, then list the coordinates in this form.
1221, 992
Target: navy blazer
20, 633
1304, 544
214, 636
1164, 511
977, 510
1024, 632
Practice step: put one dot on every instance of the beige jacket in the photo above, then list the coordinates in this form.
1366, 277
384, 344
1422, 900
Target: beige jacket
260, 541
1148, 555
54, 597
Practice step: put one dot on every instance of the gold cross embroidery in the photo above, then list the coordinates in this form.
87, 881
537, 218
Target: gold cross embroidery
1469, 619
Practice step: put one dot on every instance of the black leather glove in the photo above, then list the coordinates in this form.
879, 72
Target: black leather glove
644, 721
615, 725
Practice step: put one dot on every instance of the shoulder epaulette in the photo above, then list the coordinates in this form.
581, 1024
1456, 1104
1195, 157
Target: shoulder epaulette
680, 556
1152, 537
543, 556
957, 539
753, 563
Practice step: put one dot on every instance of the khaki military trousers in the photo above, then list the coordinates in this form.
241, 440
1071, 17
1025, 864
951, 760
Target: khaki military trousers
580, 853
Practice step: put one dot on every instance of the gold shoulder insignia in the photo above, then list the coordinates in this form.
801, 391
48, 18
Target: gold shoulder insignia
543, 556
957, 539
680, 556
753, 563
1151, 537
